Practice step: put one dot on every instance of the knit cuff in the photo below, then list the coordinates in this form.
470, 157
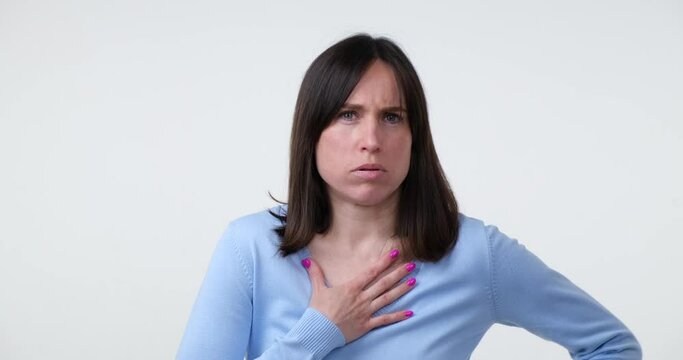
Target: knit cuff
317, 333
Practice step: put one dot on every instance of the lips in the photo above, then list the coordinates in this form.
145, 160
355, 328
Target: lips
370, 167
370, 172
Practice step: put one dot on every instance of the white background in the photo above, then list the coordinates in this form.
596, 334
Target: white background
132, 132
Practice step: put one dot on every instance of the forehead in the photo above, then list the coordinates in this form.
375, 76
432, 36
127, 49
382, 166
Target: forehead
378, 85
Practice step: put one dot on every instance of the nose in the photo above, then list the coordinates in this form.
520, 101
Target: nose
370, 136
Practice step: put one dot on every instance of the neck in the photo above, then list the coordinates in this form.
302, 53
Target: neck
358, 228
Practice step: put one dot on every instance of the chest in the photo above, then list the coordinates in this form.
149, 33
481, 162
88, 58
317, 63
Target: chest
339, 269
448, 304
339, 272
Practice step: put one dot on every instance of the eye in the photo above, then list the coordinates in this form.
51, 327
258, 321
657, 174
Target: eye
393, 118
346, 115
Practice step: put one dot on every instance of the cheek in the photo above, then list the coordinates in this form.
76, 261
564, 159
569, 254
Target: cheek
333, 143
327, 152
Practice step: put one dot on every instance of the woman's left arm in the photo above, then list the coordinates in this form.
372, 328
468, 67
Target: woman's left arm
528, 294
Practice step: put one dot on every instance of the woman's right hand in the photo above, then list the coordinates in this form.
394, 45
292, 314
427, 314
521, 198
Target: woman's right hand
350, 305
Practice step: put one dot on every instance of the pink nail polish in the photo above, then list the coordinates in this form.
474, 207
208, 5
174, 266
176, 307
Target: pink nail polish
306, 263
410, 267
408, 313
394, 253
411, 282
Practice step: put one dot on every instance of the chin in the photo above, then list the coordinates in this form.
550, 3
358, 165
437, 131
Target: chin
369, 198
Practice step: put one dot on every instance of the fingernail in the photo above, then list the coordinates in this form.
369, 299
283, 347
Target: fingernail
411, 282
394, 253
306, 263
408, 313
410, 267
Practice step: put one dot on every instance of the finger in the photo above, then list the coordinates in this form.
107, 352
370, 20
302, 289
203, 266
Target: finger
315, 273
374, 270
387, 319
389, 280
391, 295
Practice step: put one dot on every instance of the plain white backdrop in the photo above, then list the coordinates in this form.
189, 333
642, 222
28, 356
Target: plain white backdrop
132, 132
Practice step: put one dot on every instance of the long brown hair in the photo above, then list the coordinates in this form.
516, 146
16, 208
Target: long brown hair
427, 218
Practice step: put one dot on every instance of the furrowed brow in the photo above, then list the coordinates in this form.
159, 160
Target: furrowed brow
360, 107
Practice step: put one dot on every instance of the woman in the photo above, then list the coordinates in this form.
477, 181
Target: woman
370, 258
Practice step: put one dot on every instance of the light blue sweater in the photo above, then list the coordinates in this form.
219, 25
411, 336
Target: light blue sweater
254, 302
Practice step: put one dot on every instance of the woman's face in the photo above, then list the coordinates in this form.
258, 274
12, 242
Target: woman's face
371, 128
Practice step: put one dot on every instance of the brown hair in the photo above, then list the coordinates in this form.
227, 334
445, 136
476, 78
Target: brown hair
427, 218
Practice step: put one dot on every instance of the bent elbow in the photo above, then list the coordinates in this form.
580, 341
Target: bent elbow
622, 346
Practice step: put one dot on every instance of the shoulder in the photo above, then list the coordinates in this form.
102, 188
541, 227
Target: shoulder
480, 245
254, 233
477, 232
471, 251
470, 225
473, 234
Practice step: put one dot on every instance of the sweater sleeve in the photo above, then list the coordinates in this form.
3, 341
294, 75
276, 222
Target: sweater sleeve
529, 294
220, 322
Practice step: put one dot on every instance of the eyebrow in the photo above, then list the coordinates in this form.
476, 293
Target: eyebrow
360, 107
